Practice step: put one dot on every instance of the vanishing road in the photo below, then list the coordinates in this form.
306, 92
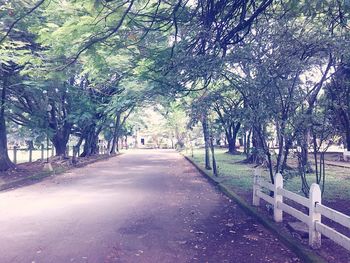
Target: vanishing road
143, 206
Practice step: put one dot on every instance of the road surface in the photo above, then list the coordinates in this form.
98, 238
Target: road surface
142, 206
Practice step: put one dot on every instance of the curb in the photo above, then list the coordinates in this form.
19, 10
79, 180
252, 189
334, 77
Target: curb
337, 165
306, 255
41, 175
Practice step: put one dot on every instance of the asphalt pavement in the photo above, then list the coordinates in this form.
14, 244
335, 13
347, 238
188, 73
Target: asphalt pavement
142, 206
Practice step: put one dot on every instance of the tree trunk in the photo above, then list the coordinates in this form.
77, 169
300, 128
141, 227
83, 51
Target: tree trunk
235, 129
91, 141
60, 147
206, 141
304, 154
76, 150
280, 135
255, 156
115, 139
81, 139
125, 142
5, 162
347, 138
231, 146
172, 143
109, 145
248, 140
60, 140
245, 143
287, 147
215, 170
231, 132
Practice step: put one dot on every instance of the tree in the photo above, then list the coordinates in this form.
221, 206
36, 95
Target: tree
17, 52
5, 162
270, 73
229, 106
175, 126
338, 95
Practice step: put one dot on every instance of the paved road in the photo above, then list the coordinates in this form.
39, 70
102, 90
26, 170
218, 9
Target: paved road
143, 206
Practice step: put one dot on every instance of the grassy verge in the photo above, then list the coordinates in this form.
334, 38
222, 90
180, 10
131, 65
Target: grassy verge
224, 184
239, 176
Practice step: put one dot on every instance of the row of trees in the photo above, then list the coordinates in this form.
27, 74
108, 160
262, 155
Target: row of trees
60, 77
275, 73
288, 81
74, 67
258, 68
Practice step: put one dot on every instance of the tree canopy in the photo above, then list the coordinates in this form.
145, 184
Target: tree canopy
272, 73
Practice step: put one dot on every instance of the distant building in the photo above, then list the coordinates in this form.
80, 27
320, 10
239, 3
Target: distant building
146, 139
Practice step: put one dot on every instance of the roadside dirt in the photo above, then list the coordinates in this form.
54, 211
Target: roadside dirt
34, 171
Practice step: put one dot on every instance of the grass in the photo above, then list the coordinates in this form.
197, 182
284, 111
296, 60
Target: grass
239, 176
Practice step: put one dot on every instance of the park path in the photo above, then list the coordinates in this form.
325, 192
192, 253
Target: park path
143, 206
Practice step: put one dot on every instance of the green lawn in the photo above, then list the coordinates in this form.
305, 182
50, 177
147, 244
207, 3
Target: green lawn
239, 176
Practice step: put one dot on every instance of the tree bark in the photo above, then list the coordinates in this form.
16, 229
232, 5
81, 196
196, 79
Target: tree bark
247, 142
304, 154
287, 147
254, 156
231, 130
345, 122
215, 170
5, 162
115, 147
119, 123
81, 139
206, 141
231, 145
91, 141
347, 137
231, 135
60, 140
281, 139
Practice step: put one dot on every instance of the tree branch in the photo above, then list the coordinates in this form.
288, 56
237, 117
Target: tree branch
36, 6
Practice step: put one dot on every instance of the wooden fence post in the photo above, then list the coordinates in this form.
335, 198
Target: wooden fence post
256, 187
15, 154
277, 213
314, 198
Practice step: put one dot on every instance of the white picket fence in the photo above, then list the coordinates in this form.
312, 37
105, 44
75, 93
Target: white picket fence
313, 203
